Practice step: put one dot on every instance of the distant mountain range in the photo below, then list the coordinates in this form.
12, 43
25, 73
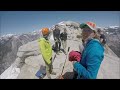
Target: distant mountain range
113, 38
9, 45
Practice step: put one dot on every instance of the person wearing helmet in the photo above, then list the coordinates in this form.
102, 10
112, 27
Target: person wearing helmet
46, 51
92, 55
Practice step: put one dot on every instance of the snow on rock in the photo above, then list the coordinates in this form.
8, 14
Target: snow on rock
10, 73
70, 23
8, 35
113, 27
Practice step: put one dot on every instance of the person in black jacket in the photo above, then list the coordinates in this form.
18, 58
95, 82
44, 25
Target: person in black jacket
63, 37
56, 35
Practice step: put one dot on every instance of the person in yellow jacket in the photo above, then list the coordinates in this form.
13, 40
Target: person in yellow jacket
46, 51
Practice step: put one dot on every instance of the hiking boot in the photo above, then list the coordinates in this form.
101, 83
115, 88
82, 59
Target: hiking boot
57, 53
60, 51
65, 53
53, 73
48, 75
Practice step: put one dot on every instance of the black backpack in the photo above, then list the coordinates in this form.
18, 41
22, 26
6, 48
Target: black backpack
53, 48
63, 36
104, 38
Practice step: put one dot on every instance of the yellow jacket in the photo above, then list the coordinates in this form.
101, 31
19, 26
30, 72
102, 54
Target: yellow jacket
45, 49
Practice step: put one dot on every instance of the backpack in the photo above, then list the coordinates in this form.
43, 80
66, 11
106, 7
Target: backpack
74, 56
53, 48
104, 39
41, 72
63, 36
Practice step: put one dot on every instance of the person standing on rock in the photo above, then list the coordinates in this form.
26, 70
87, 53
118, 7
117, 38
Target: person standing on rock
92, 55
63, 37
56, 35
103, 39
46, 51
101, 36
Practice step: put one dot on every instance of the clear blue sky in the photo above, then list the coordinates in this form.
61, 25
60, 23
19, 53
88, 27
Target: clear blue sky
18, 22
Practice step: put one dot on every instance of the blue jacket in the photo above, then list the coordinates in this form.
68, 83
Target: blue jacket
92, 57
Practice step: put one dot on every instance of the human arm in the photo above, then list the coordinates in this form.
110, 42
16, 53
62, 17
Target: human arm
93, 63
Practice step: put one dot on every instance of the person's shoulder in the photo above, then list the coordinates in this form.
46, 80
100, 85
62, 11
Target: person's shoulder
98, 46
96, 49
95, 43
42, 39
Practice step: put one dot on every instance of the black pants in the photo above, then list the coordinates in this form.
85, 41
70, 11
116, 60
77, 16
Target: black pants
57, 45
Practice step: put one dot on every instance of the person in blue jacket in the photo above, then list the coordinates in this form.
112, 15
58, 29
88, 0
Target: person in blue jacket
92, 55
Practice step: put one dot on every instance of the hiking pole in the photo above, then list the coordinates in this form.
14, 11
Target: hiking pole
65, 60
54, 58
